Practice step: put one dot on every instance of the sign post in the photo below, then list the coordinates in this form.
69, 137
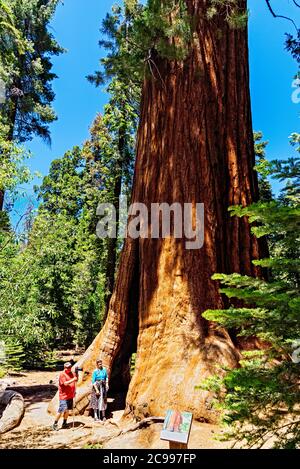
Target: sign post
174, 445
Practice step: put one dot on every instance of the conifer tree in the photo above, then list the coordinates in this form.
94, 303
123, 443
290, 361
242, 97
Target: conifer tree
260, 400
116, 130
25, 68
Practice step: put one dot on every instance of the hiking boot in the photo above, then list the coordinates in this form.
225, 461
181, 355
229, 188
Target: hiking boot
55, 427
64, 426
104, 419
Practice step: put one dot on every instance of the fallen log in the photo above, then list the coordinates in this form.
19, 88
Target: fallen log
12, 409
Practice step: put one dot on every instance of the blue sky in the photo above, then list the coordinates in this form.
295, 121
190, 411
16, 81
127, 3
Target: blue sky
76, 27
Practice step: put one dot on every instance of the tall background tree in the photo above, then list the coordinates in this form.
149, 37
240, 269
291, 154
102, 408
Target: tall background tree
121, 69
111, 148
27, 47
59, 270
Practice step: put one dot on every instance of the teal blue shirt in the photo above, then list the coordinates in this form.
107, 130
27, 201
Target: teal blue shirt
99, 375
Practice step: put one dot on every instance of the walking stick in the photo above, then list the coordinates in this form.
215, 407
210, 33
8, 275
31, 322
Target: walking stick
73, 416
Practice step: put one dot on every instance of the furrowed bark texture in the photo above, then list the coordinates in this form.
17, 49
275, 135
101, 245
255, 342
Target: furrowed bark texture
195, 144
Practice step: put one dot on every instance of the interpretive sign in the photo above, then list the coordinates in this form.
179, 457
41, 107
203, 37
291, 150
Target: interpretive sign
177, 426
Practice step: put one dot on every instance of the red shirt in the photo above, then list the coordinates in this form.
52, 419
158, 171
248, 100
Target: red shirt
66, 391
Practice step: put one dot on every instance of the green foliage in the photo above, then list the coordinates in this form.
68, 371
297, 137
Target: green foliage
110, 153
11, 356
23, 321
93, 446
71, 279
9, 34
260, 400
25, 66
14, 355
53, 279
109, 156
231, 10
60, 190
292, 44
263, 168
11, 39
69, 197
164, 27
13, 171
141, 33
87, 290
124, 58
138, 33
289, 169
132, 363
53, 285
48, 282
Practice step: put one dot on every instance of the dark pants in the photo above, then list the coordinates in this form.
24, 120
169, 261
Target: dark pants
65, 405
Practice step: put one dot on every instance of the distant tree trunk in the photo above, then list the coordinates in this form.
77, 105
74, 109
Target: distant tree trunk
195, 144
1, 200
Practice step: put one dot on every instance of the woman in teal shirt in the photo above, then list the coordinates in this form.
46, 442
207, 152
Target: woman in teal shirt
99, 391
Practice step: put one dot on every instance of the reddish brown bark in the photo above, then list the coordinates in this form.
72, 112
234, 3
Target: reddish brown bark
195, 144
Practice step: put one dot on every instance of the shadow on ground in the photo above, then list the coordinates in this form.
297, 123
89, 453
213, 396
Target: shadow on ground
36, 393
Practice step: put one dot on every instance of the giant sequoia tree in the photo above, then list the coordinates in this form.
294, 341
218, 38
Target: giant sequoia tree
195, 144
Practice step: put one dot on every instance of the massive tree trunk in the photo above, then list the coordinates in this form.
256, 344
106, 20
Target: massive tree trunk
195, 144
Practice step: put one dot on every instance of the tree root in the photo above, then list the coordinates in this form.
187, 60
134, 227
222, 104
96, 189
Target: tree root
142, 424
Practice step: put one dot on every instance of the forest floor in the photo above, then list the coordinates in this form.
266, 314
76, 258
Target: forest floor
38, 387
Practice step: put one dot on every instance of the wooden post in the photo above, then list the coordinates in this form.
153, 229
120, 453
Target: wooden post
176, 445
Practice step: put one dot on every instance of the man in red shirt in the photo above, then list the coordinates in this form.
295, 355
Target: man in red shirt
67, 390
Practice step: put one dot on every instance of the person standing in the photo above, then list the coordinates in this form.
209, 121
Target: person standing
99, 391
67, 391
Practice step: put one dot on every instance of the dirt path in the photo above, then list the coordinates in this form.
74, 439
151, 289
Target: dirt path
35, 430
